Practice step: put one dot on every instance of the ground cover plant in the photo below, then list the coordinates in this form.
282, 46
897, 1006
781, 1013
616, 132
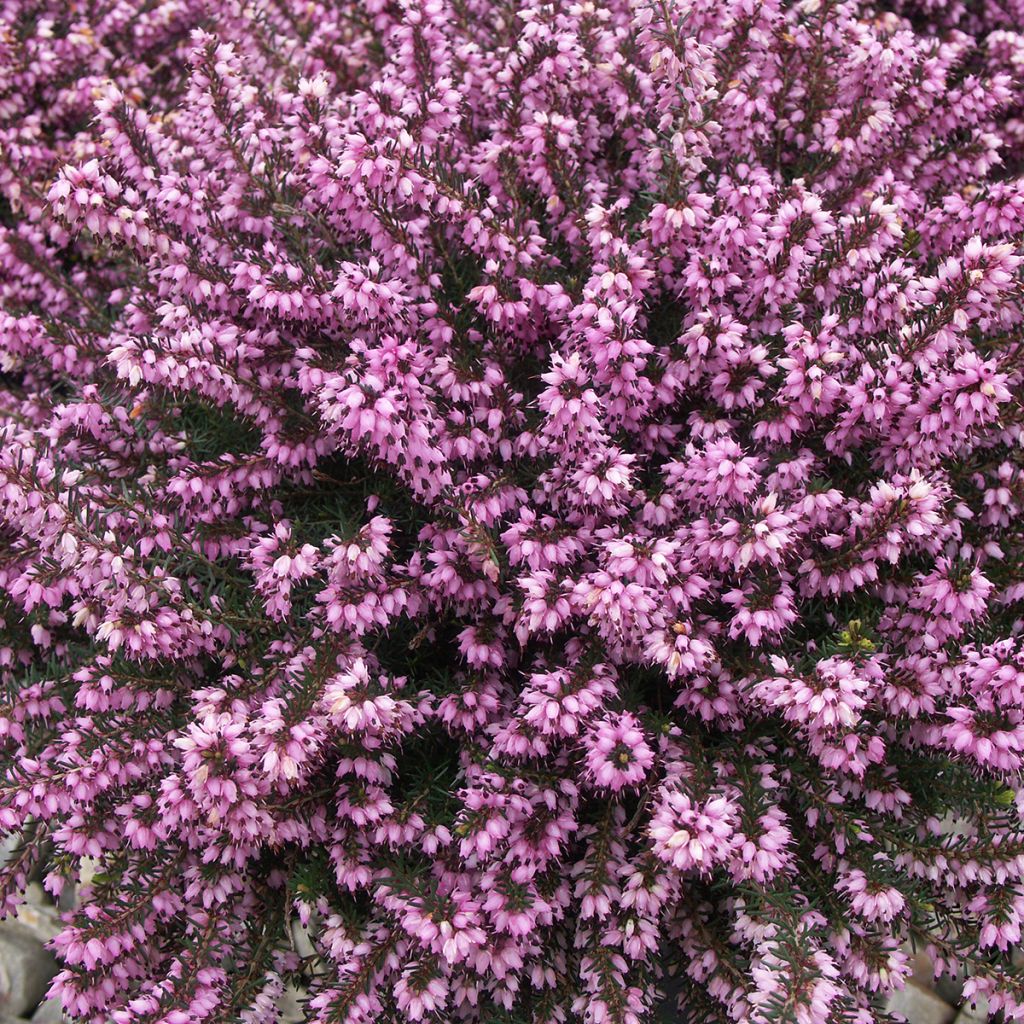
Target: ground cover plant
528, 493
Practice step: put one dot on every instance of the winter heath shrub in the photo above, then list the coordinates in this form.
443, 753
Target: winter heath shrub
526, 497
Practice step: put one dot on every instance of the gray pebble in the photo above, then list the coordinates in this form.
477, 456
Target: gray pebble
26, 969
920, 1006
50, 1012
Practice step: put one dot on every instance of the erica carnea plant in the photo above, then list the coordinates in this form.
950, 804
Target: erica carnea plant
528, 492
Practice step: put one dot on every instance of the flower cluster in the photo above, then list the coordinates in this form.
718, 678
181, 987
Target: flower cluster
523, 498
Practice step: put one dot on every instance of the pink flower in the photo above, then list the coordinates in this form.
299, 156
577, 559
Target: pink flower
617, 754
419, 995
691, 836
870, 900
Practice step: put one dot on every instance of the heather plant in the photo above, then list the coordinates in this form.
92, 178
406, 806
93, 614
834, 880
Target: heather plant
523, 497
